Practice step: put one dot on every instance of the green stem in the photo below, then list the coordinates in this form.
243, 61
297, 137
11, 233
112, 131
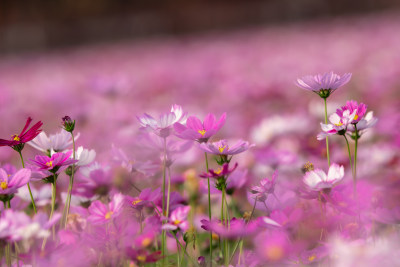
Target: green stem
163, 234
53, 203
351, 164
70, 186
187, 255
224, 222
209, 208
29, 188
327, 142
355, 160
178, 253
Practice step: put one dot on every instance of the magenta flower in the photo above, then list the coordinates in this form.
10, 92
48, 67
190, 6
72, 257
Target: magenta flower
55, 162
196, 130
368, 121
237, 228
338, 125
324, 84
145, 198
266, 186
163, 126
221, 172
100, 213
178, 220
26, 134
10, 183
317, 179
351, 106
272, 246
221, 147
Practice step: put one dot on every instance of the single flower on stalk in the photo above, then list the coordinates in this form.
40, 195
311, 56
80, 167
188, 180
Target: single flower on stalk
222, 148
352, 106
178, 220
145, 198
317, 180
338, 125
57, 142
55, 163
323, 84
68, 124
100, 213
18, 140
265, 187
163, 127
368, 121
221, 171
197, 130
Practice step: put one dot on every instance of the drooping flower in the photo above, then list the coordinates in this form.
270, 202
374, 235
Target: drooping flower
221, 147
265, 187
197, 130
163, 126
317, 179
26, 135
55, 163
101, 213
178, 220
323, 84
338, 125
9, 184
54, 142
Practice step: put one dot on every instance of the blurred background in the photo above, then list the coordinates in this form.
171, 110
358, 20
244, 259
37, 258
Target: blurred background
104, 62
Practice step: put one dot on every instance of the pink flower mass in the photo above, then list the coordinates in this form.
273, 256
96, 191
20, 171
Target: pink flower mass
200, 149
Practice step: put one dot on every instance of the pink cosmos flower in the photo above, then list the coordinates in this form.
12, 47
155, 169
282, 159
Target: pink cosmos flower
163, 126
10, 183
237, 227
145, 198
54, 142
352, 105
178, 220
323, 84
222, 171
55, 162
266, 186
317, 179
338, 125
100, 213
25, 135
196, 130
368, 121
221, 147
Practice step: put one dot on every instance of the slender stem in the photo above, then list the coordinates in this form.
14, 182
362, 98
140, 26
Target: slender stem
7, 249
239, 241
327, 142
355, 159
29, 188
351, 164
168, 191
209, 208
70, 186
224, 222
163, 234
178, 253
187, 255
53, 203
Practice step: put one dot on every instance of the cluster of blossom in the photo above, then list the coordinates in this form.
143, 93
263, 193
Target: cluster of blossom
161, 208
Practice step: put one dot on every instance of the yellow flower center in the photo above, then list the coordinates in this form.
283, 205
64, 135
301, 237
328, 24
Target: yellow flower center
274, 253
141, 258
49, 164
135, 202
108, 215
355, 117
4, 185
339, 124
312, 257
176, 222
221, 149
146, 242
218, 172
16, 137
202, 132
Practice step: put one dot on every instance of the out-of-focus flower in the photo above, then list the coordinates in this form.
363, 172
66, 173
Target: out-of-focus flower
266, 186
236, 181
84, 156
55, 162
221, 147
351, 106
10, 183
142, 256
237, 227
222, 171
54, 142
368, 121
68, 124
145, 240
196, 130
163, 126
317, 179
178, 220
18, 140
101, 213
272, 246
144, 199
323, 84
338, 125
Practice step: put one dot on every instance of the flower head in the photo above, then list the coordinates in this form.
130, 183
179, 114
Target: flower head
368, 121
163, 126
352, 106
55, 162
323, 84
178, 220
222, 171
266, 186
54, 142
317, 179
68, 124
197, 130
338, 125
18, 140
221, 147
101, 213
9, 183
